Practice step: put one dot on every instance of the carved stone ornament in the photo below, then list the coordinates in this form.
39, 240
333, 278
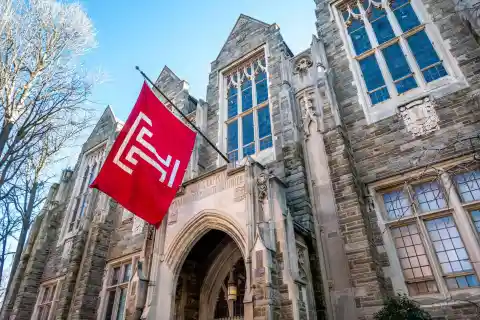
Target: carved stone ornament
138, 225
262, 185
469, 11
309, 114
303, 64
419, 116
302, 269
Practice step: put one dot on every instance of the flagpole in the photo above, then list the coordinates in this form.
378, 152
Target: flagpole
184, 116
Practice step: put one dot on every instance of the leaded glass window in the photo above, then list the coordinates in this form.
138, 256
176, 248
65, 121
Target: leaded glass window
47, 300
451, 253
413, 260
389, 43
468, 185
88, 171
117, 289
248, 124
429, 242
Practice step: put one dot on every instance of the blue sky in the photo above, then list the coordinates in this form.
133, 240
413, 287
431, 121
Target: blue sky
186, 35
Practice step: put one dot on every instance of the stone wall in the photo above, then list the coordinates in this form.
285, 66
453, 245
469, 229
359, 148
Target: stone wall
361, 153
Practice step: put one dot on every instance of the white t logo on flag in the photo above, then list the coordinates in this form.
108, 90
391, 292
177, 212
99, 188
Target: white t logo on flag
162, 165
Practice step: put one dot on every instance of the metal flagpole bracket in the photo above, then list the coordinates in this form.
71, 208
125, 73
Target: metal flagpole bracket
183, 116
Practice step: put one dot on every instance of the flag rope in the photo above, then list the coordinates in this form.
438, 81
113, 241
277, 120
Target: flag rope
184, 116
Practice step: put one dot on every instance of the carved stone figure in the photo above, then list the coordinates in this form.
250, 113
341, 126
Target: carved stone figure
309, 114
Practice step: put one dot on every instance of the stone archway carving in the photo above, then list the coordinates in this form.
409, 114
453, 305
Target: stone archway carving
193, 231
217, 272
197, 227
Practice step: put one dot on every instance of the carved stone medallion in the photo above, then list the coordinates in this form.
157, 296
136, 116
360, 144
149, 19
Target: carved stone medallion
303, 64
419, 116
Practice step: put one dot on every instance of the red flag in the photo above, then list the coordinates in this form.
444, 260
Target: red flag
148, 160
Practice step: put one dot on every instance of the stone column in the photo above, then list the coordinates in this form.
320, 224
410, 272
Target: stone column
329, 235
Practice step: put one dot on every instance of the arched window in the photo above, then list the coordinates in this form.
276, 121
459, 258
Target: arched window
248, 114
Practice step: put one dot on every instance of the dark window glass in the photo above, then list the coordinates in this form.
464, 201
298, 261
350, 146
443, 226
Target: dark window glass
264, 128
381, 26
232, 136
110, 302
373, 79
248, 135
359, 37
127, 274
261, 87
399, 68
247, 101
427, 58
232, 102
407, 19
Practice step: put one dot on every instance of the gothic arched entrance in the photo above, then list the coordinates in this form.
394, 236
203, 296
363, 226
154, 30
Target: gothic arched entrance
211, 281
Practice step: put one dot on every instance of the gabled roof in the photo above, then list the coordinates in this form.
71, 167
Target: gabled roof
108, 117
242, 19
167, 72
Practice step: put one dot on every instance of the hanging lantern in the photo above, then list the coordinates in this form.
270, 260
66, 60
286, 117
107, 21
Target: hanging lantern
232, 290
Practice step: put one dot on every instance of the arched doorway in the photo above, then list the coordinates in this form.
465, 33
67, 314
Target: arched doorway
211, 281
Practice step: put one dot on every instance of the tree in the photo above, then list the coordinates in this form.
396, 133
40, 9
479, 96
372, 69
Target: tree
401, 308
43, 88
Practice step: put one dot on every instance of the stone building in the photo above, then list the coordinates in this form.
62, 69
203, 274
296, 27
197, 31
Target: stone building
353, 176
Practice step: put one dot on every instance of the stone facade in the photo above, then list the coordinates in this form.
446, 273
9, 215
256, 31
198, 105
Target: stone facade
299, 228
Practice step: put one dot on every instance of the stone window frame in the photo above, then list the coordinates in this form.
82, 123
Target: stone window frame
265, 155
52, 303
92, 157
107, 287
461, 213
454, 81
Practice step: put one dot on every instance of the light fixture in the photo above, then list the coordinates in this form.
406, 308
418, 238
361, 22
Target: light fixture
232, 288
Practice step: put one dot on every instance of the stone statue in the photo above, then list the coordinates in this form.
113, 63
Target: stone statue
309, 114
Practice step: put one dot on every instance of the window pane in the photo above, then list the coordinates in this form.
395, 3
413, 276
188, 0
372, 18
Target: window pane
232, 136
232, 102
429, 196
476, 219
261, 87
121, 304
359, 36
397, 205
44, 312
46, 295
413, 259
233, 156
264, 128
248, 135
449, 247
247, 101
127, 274
83, 207
426, 56
115, 275
407, 19
92, 174
84, 180
266, 143
110, 302
373, 79
468, 185
380, 24
399, 68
